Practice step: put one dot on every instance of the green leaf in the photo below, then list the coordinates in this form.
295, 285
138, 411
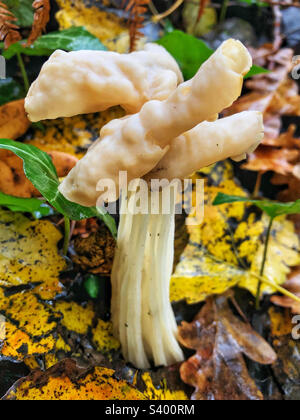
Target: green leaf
72, 39
272, 208
190, 53
22, 10
25, 205
39, 169
255, 70
92, 286
10, 90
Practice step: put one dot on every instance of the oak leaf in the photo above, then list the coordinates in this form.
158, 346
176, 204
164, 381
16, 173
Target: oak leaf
274, 94
218, 371
293, 286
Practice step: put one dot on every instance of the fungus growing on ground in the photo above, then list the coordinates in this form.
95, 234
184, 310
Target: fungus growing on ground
80, 82
169, 139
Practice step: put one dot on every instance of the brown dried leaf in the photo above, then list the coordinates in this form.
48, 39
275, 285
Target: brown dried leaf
13, 180
218, 370
66, 381
281, 161
41, 18
13, 120
274, 94
8, 30
293, 286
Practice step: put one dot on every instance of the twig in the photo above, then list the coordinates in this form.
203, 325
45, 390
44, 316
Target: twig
239, 310
168, 12
67, 236
258, 184
263, 265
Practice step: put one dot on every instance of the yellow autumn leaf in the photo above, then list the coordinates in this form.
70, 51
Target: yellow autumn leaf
65, 381
72, 135
227, 248
26, 258
108, 27
75, 317
161, 392
103, 337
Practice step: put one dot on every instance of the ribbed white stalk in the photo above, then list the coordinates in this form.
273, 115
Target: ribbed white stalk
142, 314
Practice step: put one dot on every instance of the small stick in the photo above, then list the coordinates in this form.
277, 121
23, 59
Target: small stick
168, 12
258, 184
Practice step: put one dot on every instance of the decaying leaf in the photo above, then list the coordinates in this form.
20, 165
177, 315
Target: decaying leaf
8, 29
286, 369
293, 286
96, 252
40, 20
29, 326
108, 27
65, 381
226, 249
72, 135
26, 258
13, 180
218, 370
13, 120
161, 392
275, 94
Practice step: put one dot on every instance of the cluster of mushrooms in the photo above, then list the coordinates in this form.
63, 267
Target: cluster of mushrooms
171, 130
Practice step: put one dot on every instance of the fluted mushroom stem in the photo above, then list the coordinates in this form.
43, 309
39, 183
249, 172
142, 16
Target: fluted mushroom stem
142, 314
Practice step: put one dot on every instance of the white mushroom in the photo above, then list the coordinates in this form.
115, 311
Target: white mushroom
165, 139
80, 82
137, 143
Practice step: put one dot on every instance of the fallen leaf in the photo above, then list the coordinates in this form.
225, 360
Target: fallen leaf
14, 181
13, 120
40, 19
274, 94
8, 28
226, 249
72, 135
29, 326
63, 162
218, 370
287, 367
161, 392
281, 161
26, 258
65, 381
109, 27
293, 286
